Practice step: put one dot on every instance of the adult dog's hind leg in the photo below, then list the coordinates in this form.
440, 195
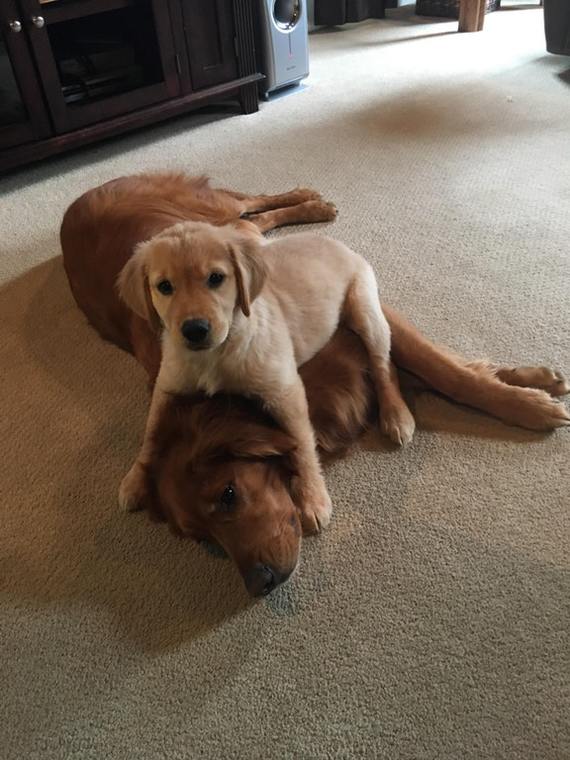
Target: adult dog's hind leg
363, 314
478, 384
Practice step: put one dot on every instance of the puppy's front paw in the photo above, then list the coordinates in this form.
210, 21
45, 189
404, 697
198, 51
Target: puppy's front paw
398, 424
315, 506
133, 489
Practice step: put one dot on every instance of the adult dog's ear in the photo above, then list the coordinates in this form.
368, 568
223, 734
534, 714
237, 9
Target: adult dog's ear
249, 440
133, 287
250, 272
262, 442
254, 441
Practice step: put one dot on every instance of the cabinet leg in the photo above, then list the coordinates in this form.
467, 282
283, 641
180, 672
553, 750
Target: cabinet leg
471, 15
481, 19
248, 98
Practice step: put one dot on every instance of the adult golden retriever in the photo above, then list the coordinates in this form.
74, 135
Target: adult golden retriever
221, 468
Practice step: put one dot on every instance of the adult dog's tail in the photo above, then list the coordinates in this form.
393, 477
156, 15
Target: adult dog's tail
520, 396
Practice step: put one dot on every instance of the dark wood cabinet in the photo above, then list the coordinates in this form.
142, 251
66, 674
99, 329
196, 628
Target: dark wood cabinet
23, 116
74, 71
210, 34
99, 60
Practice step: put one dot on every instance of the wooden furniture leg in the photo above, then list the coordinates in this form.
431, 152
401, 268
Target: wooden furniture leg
481, 19
471, 15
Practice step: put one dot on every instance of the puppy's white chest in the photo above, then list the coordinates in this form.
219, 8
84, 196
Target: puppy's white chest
189, 376
207, 379
187, 372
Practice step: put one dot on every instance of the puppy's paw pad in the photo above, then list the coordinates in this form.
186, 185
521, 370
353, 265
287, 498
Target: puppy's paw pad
316, 511
133, 489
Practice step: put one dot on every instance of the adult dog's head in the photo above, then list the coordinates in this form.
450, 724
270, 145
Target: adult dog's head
222, 473
222, 469
192, 278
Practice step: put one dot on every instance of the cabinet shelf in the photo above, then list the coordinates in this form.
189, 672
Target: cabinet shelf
67, 10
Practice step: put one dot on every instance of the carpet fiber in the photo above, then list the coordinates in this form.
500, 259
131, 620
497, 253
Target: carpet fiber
431, 619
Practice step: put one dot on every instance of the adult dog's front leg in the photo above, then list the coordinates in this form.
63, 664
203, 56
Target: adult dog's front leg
290, 409
134, 486
308, 212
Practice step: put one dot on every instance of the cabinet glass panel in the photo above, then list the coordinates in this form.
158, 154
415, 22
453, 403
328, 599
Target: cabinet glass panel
12, 109
105, 54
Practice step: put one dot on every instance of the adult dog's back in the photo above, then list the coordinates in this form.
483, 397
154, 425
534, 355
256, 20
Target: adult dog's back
120, 214
101, 229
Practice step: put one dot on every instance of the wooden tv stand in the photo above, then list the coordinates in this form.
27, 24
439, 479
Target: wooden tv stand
76, 71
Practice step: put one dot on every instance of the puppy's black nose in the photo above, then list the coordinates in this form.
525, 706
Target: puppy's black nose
262, 579
195, 330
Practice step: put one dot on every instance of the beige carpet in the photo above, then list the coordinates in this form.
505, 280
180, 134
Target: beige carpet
432, 619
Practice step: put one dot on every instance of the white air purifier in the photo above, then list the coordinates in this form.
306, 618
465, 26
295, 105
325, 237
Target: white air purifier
284, 42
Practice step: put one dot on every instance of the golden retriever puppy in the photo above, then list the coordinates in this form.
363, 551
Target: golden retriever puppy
241, 314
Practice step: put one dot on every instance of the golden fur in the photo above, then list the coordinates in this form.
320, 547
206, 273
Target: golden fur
261, 311
203, 444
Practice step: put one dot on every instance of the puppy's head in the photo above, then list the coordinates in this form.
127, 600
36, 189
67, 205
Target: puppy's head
230, 485
193, 278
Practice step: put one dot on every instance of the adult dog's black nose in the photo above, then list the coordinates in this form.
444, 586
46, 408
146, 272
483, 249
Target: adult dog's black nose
262, 579
195, 330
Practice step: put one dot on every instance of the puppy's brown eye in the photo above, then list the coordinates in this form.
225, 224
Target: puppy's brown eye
228, 499
165, 287
216, 279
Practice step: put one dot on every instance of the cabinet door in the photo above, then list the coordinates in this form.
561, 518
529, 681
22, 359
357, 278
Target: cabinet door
210, 41
101, 58
23, 117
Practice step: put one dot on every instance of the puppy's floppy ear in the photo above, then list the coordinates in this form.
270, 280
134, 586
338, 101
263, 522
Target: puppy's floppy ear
133, 287
250, 272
